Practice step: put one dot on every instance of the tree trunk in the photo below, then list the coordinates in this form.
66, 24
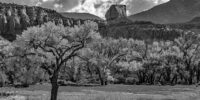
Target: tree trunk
54, 91
142, 77
101, 77
168, 74
54, 83
191, 77
198, 75
139, 75
102, 80
174, 80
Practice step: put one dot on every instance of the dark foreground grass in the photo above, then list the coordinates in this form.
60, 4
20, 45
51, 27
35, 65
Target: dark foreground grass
109, 88
112, 92
116, 88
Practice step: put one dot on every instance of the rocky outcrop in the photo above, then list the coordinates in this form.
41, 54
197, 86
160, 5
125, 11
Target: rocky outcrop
117, 14
14, 19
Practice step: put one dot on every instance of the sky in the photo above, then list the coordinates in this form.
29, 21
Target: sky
96, 7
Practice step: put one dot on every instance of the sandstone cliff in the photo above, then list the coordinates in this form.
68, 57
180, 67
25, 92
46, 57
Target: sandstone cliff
117, 15
41, 14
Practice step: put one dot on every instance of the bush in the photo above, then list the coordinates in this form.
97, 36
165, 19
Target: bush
120, 79
66, 83
131, 80
111, 79
20, 85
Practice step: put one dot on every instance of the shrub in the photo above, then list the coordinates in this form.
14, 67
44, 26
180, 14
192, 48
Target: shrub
120, 79
131, 80
111, 79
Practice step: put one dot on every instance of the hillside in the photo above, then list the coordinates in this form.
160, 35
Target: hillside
196, 20
119, 27
39, 14
174, 11
142, 31
83, 16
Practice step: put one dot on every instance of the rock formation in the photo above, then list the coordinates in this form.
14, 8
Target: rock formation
40, 17
25, 20
10, 27
33, 16
17, 21
117, 14
3, 20
14, 19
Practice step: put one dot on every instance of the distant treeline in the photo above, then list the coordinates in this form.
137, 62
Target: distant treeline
144, 30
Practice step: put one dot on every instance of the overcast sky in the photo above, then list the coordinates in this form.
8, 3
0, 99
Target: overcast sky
96, 7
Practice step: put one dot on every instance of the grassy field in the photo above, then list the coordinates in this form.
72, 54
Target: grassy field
110, 92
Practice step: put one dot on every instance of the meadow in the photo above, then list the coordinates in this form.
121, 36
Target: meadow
110, 92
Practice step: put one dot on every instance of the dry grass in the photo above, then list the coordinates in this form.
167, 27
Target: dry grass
173, 93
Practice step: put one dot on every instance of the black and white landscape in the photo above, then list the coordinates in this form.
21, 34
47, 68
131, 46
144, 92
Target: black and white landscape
47, 53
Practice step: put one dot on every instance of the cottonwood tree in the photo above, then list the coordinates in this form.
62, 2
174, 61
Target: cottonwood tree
55, 45
144, 59
138, 54
14, 65
188, 45
73, 70
89, 64
103, 54
171, 63
5, 47
22, 70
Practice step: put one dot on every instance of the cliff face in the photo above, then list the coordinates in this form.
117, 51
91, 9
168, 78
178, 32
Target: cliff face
174, 11
52, 14
117, 14
32, 16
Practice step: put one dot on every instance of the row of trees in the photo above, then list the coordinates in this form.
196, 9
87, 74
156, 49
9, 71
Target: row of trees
142, 31
53, 53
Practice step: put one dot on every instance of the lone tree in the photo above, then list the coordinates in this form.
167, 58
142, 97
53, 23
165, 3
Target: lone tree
55, 45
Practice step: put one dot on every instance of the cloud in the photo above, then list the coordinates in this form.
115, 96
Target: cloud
22, 2
60, 5
96, 7
99, 7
